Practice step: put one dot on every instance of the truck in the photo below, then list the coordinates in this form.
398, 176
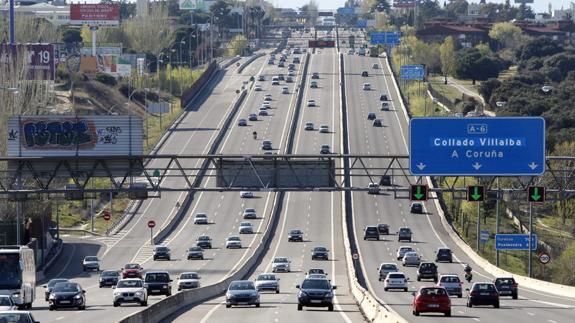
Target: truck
373, 51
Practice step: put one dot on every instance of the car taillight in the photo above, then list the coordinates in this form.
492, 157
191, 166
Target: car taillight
515, 285
473, 293
387, 280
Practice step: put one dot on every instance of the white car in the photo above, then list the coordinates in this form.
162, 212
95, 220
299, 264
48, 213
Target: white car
188, 280
386, 268
246, 194
324, 128
265, 105
6, 303
266, 281
233, 242
201, 218
396, 280
311, 103
246, 228
130, 290
384, 106
263, 112
250, 213
366, 86
285, 90
91, 263
258, 88
281, 264
411, 258
268, 97
452, 284
372, 188
402, 251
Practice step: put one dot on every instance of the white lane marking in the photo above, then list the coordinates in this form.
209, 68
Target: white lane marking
551, 321
529, 313
476, 319
551, 304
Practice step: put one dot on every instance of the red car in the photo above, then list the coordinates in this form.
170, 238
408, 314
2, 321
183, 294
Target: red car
432, 300
132, 271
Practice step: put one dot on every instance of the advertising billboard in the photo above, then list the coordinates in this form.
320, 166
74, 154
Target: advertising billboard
60, 136
95, 14
40, 59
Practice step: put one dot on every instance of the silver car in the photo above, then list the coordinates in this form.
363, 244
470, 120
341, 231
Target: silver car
91, 263
201, 218
281, 264
411, 258
386, 268
250, 213
268, 281
324, 128
188, 280
242, 292
246, 228
402, 251
233, 242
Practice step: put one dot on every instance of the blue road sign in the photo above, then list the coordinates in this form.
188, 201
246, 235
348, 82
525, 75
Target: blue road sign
346, 10
393, 38
502, 146
412, 72
384, 38
377, 38
361, 23
515, 242
484, 236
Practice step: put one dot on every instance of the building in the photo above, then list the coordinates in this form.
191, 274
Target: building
57, 15
464, 35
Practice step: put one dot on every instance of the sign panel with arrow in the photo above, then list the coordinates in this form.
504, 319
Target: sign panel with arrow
502, 146
418, 192
536, 194
475, 193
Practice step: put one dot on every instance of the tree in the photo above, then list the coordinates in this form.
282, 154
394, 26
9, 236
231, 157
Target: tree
564, 267
524, 12
456, 8
221, 10
150, 34
237, 45
447, 57
70, 36
507, 35
471, 64
486, 88
378, 5
539, 47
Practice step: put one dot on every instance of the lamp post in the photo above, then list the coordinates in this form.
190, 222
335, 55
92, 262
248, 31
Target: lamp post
172, 51
183, 42
146, 112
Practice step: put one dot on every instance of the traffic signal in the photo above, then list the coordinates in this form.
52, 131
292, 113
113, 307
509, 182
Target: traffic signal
418, 192
475, 193
536, 194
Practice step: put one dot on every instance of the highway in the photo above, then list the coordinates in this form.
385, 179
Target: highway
193, 135
428, 232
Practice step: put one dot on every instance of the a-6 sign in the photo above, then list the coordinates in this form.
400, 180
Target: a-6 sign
39, 59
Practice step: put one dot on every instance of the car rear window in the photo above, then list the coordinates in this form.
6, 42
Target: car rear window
505, 281
432, 291
388, 266
395, 276
484, 287
450, 279
371, 230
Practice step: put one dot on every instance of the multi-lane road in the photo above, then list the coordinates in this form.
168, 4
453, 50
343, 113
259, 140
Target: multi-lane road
318, 214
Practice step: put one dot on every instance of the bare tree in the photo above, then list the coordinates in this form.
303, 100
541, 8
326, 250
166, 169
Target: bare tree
32, 30
150, 33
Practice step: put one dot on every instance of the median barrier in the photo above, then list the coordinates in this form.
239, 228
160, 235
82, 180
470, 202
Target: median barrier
523, 281
372, 308
249, 61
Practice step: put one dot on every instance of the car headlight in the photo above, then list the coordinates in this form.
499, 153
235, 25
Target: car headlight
51, 296
139, 293
228, 295
16, 295
302, 293
329, 295
78, 296
165, 286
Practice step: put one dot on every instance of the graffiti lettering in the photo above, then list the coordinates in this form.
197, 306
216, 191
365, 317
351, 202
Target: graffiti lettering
109, 135
69, 134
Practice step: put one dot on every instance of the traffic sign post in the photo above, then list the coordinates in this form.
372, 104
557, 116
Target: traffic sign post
106, 216
503, 146
151, 225
418, 192
544, 258
536, 194
475, 193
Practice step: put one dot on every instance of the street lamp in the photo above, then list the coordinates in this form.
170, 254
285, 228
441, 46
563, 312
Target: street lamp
183, 42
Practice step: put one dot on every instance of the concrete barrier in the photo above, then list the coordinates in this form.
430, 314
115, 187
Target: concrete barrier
372, 308
523, 281
249, 61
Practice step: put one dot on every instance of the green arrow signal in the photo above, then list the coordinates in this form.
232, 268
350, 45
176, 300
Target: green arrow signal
476, 196
418, 195
535, 196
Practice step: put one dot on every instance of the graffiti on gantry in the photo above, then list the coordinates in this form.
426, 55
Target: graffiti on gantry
64, 134
109, 135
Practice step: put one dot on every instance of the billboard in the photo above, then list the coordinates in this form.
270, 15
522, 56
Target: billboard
58, 136
95, 14
40, 59
192, 4
114, 65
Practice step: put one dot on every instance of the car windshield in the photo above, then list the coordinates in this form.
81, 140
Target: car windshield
266, 277
195, 249
316, 271
443, 251
254, 210
295, 232
411, 254
234, 239
91, 258
450, 279
241, 285
388, 266
405, 249
17, 317
505, 281
371, 229
66, 288
157, 277
161, 249
245, 224
5, 301
277, 260
202, 215
432, 291
427, 265
132, 266
56, 281
395, 276
189, 276
110, 273
404, 230
484, 287
204, 238
319, 249
129, 284
315, 284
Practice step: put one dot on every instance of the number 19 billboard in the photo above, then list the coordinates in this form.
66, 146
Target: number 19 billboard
38, 59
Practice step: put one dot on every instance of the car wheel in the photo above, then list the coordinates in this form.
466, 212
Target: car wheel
277, 291
405, 289
460, 296
116, 304
51, 308
496, 305
418, 279
435, 280
416, 313
228, 305
84, 268
144, 303
299, 307
330, 308
385, 289
379, 278
469, 304
257, 304
81, 308
448, 313
514, 296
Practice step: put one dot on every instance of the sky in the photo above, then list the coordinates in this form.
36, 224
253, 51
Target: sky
538, 5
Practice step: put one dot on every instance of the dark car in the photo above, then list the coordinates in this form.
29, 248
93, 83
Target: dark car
162, 252
427, 270
383, 97
109, 278
132, 271
315, 292
443, 254
204, 242
383, 228
242, 292
66, 295
506, 286
483, 294
370, 232
51, 285
319, 253
295, 235
315, 76
158, 283
416, 208
364, 74
404, 234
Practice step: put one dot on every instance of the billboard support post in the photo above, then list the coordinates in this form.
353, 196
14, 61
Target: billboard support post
497, 222
12, 33
530, 241
94, 30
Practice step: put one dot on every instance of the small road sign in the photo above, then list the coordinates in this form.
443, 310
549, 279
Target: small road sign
484, 236
355, 256
536, 194
418, 192
106, 216
544, 258
151, 224
475, 193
